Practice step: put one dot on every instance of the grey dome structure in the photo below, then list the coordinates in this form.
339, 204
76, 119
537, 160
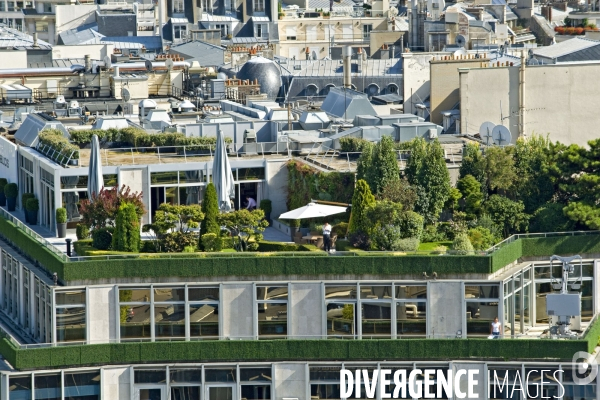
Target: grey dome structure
265, 71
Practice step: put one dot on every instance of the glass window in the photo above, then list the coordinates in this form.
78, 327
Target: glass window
149, 376
158, 178
340, 292
19, 387
41, 26
169, 294
70, 324
502, 383
272, 310
203, 293
135, 318
70, 298
247, 174
82, 386
169, 321
2, 6
550, 388
411, 292
324, 382
256, 391
376, 320
185, 392
411, 318
11, 7
185, 376
255, 374
375, 292
110, 180
481, 292
220, 375
259, 6
191, 176
47, 387
204, 320
480, 316
341, 320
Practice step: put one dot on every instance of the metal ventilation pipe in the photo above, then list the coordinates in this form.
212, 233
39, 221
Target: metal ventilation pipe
35, 40
347, 56
116, 69
88, 63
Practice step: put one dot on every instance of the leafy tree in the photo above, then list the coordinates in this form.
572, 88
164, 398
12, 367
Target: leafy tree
362, 200
499, 168
551, 218
433, 177
175, 217
386, 237
126, 236
210, 209
473, 163
453, 198
384, 213
576, 172
251, 223
378, 165
418, 152
400, 192
508, 214
471, 193
534, 185
481, 238
462, 244
485, 221
101, 210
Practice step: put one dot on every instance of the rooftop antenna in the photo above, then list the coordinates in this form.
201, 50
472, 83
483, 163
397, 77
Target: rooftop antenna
501, 135
485, 132
564, 305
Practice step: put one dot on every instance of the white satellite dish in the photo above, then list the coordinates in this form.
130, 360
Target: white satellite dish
148, 65
460, 52
501, 135
485, 131
169, 64
107, 62
125, 95
460, 41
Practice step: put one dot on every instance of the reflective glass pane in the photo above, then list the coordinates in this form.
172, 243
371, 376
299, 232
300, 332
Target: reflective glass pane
340, 292
272, 319
256, 392
376, 292
134, 295
47, 387
480, 317
169, 294
82, 386
185, 393
587, 300
411, 319
70, 324
185, 376
204, 320
245, 174
271, 293
68, 298
203, 293
191, 176
325, 391
341, 321
150, 394
255, 374
149, 376
220, 375
376, 320
481, 292
220, 393
135, 322
322, 373
19, 387
411, 292
157, 178
169, 320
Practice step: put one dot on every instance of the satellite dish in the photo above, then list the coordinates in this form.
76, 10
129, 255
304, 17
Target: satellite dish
533, 61
460, 52
107, 62
485, 131
501, 135
169, 64
460, 41
148, 65
125, 95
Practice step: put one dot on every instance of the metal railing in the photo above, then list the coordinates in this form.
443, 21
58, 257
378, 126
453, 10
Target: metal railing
518, 236
31, 233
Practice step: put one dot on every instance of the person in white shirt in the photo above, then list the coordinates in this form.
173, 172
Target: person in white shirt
495, 329
327, 237
251, 203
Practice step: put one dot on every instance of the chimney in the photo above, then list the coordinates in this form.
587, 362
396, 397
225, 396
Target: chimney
307, 53
35, 40
359, 59
347, 54
116, 69
88, 63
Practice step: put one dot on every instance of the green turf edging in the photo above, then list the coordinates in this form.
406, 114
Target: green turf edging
289, 350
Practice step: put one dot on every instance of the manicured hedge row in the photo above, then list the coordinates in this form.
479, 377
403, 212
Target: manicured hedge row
562, 245
290, 350
506, 255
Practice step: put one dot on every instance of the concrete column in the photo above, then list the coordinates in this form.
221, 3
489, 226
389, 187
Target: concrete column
307, 308
290, 381
237, 310
445, 318
116, 383
101, 321
478, 371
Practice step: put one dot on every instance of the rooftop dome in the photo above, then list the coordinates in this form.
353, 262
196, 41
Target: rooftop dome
265, 71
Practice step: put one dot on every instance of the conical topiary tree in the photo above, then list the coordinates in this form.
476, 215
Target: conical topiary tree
126, 236
210, 208
362, 200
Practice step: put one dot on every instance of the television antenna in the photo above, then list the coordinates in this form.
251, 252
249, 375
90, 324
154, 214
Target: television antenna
564, 305
501, 135
485, 131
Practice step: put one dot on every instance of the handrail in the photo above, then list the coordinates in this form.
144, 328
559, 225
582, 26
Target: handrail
518, 236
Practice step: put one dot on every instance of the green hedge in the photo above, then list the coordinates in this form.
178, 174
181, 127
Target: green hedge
265, 246
563, 245
289, 350
506, 255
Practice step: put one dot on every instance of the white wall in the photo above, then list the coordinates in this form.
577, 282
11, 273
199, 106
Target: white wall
70, 17
96, 51
116, 383
416, 84
8, 160
13, 59
101, 308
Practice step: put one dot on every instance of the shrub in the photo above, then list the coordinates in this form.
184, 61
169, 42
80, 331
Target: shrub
101, 239
127, 229
33, 204
440, 250
340, 229
431, 233
211, 242
353, 145
11, 190
266, 206
101, 210
551, 218
276, 246
360, 239
149, 246
175, 242
189, 249
61, 215
462, 245
481, 238
82, 231
408, 244
63, 149
411, 225
210, 209
3, 182
386, 237
362, 200
25, 197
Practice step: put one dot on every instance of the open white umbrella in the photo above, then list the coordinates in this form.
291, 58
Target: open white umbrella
95, 177
222, 175
313, 210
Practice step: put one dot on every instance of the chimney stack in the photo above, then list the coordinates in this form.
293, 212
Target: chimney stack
35, 40
347, 55
88, 63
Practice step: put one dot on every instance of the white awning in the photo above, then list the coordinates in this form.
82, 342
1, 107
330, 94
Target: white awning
313, 210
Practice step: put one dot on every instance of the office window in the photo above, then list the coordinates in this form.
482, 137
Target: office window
185, 383
70, 316
340, 303
481, 314
135, 313
255, 383
41, 26
169, 313
47, 386
259, 5
2, 6
324, 382
367, 30
82, 385
180, 31
411, 310
272, 303
178, 6
11, 7
204, 312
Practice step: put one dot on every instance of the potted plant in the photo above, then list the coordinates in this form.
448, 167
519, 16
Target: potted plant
32, 206
265, 205
24, 198
61, 222
3, 182
11, 191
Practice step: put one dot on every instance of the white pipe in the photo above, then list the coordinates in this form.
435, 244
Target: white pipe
141, 65
53, 70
